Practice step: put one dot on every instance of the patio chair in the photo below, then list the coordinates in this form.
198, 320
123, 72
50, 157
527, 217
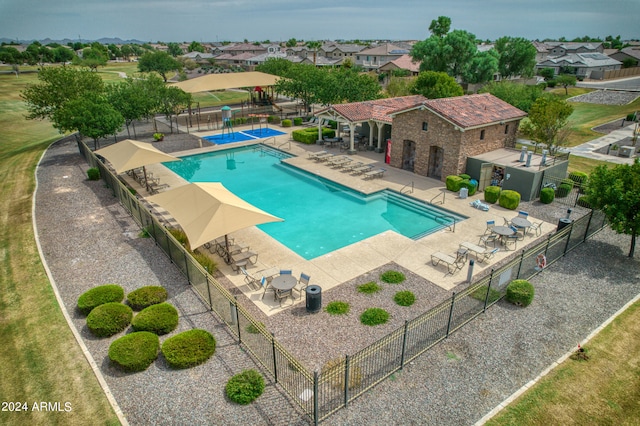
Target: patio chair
250, 280
266, 287
490, 225
374, 173
303, 283
285, 271
537, 227
488, 255
486, 239
511, 240
507, 222
454, 264
283, 295
517, 232
523, 214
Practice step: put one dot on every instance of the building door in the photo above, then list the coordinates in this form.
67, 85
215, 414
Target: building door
486, 171
408, 155
436, 154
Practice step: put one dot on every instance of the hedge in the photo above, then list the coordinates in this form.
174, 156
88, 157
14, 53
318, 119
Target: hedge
578, 178
189, 348
564, 190
453, 183
135, 351
509, 199
297, 121
491, 194
309, 135
146, 296
99, 296
159, 319
109, 319
286, 123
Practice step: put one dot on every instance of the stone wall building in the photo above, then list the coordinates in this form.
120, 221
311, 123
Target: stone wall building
435, 138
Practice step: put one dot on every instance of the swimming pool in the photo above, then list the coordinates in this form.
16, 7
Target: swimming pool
244, 135
320, 216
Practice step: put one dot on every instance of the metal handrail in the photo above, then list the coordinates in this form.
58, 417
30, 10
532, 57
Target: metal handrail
408, 192
451, 218
443, 198
288, 142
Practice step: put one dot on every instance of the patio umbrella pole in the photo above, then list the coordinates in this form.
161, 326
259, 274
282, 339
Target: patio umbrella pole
146, 181
226, 243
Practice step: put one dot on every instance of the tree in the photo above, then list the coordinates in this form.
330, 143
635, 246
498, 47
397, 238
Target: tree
315, 45
517, 56
346, 85
434, 85
196, 47
172, 100
63, 54
303, 82
547, 73
398, 86
132, 99
91, 115
566, 80
174, 49
275, 66
616, 192
92, 58
548, 115
126, 51
292, 42
483, 67
521, 96
12, 56
160, 62
57, 86
441, 26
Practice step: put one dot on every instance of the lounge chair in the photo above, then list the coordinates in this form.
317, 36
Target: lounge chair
454, 264
250, 280
362, 169
374, 173
480, 253
351, 166
243, 259
339, 162
313, 121
324, 157
313, 155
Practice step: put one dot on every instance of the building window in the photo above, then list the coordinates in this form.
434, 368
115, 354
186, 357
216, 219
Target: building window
425, 126
481, 135
506, 129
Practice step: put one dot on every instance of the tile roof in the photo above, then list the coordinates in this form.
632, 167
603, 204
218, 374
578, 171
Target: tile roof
405, 62
474, 110
377, 110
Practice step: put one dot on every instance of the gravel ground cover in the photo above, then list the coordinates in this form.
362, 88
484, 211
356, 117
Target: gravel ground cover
606, 97
88, 239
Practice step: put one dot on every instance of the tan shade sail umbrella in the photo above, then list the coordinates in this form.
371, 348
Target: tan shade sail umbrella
227, 81
129, 154
208, 210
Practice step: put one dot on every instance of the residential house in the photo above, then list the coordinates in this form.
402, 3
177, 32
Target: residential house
581, 59
404, 62
631, 53
373, 58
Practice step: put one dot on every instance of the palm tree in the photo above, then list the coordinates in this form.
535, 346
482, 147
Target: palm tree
314, 45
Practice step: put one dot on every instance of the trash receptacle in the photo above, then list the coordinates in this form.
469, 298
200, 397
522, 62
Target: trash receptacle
314, 298
464, 192
563, 222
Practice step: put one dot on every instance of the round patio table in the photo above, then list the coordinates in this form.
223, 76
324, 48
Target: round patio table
503, 231
521, 222
284, 282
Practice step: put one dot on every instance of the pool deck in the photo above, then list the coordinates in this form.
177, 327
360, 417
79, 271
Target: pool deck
344, 264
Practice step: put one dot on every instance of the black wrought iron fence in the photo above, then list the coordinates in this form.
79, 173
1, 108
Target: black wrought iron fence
321, 393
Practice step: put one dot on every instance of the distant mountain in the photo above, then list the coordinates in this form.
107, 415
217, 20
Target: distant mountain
104, 40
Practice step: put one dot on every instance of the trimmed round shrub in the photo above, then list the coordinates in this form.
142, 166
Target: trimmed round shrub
374, 316
509, 199
520, 292
583, 201
491, 194
470, 187
404, 298
337, 308
286, 123
453, 183
464, 176
146, 296
578, 177
189, 348
297, 121
99, 296
159, 319
245, 387
547, 195
369, 288
564, 190
93, 173
135, 351
392, 277
108, 319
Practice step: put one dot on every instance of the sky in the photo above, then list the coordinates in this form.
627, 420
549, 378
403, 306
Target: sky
281, 20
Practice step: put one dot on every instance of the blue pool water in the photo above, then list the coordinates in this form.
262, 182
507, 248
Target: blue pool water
320, 216
244, 135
